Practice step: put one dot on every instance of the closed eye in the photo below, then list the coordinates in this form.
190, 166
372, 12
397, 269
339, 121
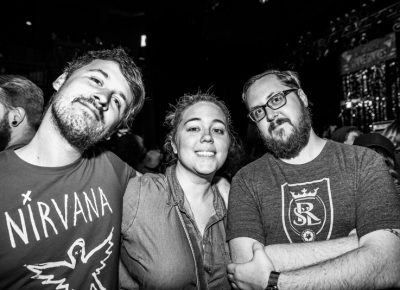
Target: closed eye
117, 102
97, 81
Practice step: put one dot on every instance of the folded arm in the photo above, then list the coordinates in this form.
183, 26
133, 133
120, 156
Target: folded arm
286, 257
374, 264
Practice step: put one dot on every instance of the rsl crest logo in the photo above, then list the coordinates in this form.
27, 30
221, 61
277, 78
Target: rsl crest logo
307, 211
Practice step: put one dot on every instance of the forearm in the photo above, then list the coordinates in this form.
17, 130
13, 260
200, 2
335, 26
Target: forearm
286, 257
368, 267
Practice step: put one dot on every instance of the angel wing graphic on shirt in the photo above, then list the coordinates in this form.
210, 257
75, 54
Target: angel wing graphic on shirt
76, 254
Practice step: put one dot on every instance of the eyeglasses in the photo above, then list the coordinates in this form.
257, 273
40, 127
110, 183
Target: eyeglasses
275, 102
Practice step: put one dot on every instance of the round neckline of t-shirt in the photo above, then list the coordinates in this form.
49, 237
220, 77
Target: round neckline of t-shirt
44, 169
311, 162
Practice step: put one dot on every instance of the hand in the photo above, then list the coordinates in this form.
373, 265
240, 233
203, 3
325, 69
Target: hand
253, 274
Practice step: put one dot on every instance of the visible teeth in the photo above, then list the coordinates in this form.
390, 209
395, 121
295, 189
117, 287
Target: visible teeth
205, 153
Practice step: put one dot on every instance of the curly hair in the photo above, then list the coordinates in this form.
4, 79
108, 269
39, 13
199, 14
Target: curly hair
174, 118
129, 70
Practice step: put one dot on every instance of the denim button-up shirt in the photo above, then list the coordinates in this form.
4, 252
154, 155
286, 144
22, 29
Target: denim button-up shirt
161, 246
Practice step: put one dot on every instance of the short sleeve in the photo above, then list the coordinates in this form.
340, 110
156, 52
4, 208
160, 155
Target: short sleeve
244, 215
378, 204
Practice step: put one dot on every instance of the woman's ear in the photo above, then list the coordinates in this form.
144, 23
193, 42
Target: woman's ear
59, 81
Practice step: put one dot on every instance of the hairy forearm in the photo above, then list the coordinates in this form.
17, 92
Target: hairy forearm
286, 257
374, 266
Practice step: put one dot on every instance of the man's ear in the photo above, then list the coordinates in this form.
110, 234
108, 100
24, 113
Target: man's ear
303, 97
59, 81
16, 116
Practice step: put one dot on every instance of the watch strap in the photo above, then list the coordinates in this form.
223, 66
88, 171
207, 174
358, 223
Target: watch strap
273, 281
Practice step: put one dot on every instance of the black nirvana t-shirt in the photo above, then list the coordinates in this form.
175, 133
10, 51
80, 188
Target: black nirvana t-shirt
60, 227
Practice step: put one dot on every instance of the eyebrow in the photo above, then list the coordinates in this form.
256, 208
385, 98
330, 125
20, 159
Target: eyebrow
102, 72
213, 121
259, 106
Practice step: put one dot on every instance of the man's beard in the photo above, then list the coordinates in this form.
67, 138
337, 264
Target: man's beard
5, 132
297, 140
80, 128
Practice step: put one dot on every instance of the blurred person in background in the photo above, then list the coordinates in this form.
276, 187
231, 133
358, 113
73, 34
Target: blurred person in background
392, 132
346, 134
384, 147
21, 108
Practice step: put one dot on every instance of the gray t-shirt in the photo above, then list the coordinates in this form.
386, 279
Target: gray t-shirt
343, 188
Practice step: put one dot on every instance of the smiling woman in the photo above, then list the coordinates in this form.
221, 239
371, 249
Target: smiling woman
173, 224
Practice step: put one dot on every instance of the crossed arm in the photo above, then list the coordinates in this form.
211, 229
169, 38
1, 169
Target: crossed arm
373, 262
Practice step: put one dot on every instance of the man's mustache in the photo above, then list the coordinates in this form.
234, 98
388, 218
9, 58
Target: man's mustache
276, 123
99, 111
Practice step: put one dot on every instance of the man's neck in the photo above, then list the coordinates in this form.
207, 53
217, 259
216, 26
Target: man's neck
48, 148
22, 135
310, 151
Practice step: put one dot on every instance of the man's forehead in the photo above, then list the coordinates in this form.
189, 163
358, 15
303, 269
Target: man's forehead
263, 87
268, 81
107, 65
111, 71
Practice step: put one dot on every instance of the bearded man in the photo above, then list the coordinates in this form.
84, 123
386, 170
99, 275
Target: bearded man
60, 196
311, 213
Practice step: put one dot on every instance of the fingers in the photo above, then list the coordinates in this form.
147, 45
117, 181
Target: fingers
231, 268
231, 278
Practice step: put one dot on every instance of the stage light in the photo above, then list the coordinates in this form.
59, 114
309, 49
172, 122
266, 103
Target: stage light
143, 40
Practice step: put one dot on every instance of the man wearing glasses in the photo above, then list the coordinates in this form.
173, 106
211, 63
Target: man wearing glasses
311, 213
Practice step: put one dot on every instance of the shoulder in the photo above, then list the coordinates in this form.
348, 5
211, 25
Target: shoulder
100, 155
149, 184
145, 191
8, 160
250, 168
358, 158
351, 151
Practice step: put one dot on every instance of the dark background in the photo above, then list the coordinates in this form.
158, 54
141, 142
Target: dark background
193, 45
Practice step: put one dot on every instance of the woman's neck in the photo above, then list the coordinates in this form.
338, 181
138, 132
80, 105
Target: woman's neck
195, 187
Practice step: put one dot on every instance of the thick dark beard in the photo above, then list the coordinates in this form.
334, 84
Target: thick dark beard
297, 140
5, 132
81, 131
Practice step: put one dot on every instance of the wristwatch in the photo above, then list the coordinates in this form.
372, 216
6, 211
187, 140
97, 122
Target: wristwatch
273, 281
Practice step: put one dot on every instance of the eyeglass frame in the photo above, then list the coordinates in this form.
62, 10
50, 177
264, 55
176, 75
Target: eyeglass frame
284, 93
